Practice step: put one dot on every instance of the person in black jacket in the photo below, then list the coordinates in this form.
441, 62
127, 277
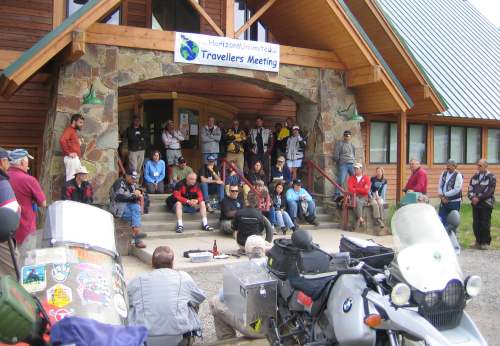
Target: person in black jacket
228, 208
135, 135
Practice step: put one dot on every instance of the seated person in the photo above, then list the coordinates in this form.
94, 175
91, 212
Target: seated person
154, 173
228, 208
297, 197
255, 173
166, 302
377, 192
226, 323
264, 198
280, 172
125, 202
279, 215
360, 185
210, 181
232, 177
187, 198
78, 189
179, 172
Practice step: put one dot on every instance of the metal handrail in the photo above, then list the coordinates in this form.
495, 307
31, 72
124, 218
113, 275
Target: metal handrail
240, 174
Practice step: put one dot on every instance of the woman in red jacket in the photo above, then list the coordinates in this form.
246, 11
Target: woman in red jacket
359, 184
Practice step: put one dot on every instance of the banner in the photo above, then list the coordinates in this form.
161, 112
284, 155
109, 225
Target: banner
227, 52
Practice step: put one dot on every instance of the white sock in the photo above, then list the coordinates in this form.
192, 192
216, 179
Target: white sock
204, 221
179, 222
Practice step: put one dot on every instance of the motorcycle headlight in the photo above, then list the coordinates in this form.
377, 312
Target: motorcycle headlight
431, 299
400, 294
473, 285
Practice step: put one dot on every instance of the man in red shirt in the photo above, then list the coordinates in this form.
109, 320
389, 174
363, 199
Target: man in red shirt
359, 184
71, 145
28, 193
188, 198
418, 179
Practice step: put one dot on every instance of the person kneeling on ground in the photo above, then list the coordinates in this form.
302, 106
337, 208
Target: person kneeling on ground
359, 184
124, 203
78, 189
228, 208
187, 198
154, 173
297, 197
166, 302
226, 323
250, 221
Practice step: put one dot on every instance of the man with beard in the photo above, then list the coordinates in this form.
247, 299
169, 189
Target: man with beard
71, 145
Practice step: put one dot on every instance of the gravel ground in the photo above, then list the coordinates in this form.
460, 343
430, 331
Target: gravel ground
485, 309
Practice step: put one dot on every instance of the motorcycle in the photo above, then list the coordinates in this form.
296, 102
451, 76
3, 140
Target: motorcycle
418, 297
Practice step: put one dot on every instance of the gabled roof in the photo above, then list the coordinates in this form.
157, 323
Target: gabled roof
458, 49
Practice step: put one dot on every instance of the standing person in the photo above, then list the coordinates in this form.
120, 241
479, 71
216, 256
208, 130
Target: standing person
154, 173
482, 196
359, 184
166, 301
279, 215
210, 137
344, 156
417, 182
71, 145
281, 138
295, 147
378, 188
262, 143
28, 194
78, 189
450, 190
210, 181
179, 172
236, 138
298, 197
228, 208
136, 136
172, 139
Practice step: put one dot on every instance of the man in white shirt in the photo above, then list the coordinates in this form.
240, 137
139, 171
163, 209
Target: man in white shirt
172, 139
450, 190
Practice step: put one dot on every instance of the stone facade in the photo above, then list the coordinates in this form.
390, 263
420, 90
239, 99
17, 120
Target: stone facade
318, 93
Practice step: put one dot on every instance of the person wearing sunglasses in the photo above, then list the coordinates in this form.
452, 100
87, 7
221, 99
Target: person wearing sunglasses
228, 208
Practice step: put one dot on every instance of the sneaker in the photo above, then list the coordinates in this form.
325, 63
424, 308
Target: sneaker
207, 228
283, 230
179, 229
313, 221
484, 247
209, 208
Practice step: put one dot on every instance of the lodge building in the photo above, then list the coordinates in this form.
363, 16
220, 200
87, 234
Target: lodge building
423, 75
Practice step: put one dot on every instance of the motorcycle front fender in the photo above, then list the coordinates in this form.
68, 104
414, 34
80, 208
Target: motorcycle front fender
410, 322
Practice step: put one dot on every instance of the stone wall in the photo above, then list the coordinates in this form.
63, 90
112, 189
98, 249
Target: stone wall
318, 93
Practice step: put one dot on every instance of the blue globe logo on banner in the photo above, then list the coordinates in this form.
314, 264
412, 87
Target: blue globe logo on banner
189, 49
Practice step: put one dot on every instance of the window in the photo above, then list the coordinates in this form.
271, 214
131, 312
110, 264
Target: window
74, 5
257, 32
417, 142
174, 15
383, 142
493, 146
462, 144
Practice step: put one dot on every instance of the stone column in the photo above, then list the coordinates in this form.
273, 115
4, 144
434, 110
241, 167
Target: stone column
100, 133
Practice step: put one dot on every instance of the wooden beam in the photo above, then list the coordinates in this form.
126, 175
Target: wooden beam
77, 48
58, 12
230, 18
205, 15
7, 57
254, 18
149, 14
401, 165
419, 92
364, 75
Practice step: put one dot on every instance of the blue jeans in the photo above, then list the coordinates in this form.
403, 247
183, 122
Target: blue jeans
344, 169
132, 214
207, 189
283, 219
205, 155
445, 209
293, 208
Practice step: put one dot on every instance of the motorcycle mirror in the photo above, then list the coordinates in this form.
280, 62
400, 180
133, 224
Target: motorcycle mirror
9, 221
302, 239
453, 218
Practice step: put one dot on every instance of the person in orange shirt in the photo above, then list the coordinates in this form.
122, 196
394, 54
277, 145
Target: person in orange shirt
71, 145
359, 184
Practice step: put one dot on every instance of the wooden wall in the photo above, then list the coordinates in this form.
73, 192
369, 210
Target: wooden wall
135, 13
216, 10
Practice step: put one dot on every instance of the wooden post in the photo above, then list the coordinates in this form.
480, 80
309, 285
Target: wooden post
58, 12
230, 18
401, 165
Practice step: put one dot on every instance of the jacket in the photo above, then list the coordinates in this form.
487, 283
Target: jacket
69, 141
278, 202
294, 196
229, 206
451, 188
283, 175
267, 136
183, 192
417, 181
483, 187
361, 188
120, 195
136, 138
247, 221
235, 139
345, 152
378, 185
172, 141
253, 176
7, 195
210, 139
154, 172
295, 147
82, 194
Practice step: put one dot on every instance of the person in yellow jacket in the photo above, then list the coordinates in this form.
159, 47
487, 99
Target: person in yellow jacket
235, 138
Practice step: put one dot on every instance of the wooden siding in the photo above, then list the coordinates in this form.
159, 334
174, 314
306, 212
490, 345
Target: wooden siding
24, 22
215, 9
135, 13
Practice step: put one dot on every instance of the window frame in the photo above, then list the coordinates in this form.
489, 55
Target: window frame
253, 30
464, 159
426, 141
488, 147
118, 8
387, 144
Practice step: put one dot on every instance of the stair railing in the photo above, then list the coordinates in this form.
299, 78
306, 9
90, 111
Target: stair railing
232, 166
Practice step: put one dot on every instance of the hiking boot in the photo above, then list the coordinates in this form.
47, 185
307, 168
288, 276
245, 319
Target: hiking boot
139, 244
484, 247
207, 228
313, 221
179, 229
283, 230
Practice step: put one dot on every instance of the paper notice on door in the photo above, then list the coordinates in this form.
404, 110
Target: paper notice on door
193, 129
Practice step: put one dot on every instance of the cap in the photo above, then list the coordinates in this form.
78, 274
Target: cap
295, 127
297, 182
357, 165
132, 173
81, 170
181, 160
452, 162
18, 154
211, 158
4, 154
347, 133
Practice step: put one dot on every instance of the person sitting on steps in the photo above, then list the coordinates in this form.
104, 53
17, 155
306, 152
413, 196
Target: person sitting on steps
279, 215
377, 192
359, 184
297, 197
228, 208
210, 181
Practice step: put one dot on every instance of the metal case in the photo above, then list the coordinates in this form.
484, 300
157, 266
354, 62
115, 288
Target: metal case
250, 293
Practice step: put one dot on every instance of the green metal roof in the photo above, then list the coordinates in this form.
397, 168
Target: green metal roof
458, 50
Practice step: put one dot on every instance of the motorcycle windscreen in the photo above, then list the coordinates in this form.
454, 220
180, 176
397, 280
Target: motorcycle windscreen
424, 252
80, 224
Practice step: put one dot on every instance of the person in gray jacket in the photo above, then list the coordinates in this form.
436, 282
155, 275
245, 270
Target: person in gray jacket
210, 136
295, 147
344, 156
166, 302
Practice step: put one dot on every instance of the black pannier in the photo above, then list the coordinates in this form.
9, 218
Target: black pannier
360, 248
281, 256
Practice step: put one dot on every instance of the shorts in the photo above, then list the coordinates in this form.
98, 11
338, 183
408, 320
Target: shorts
189, 209
294, 163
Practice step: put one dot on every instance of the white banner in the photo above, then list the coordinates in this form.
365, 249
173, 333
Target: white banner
228, 52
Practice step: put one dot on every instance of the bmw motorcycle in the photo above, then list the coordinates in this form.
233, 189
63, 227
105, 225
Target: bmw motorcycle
417, 298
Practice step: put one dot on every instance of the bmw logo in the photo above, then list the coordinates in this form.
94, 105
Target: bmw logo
346, 307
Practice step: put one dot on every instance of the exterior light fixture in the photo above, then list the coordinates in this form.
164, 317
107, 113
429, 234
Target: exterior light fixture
90, 98
350, 113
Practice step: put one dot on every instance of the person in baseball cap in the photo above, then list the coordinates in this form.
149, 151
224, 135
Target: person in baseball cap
298, 199
4, 160
18, 154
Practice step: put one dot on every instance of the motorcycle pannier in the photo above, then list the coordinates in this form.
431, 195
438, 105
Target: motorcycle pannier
281, 256
361, 248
